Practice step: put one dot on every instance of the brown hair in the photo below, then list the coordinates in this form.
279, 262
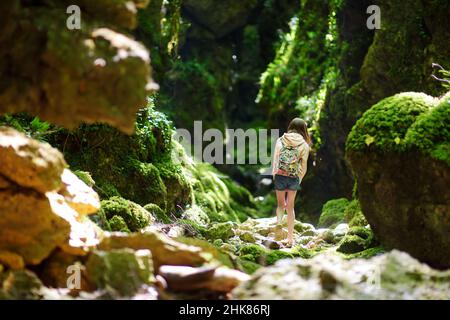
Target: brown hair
300, 126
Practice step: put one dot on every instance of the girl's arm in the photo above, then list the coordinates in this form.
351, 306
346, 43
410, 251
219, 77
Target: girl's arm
303, 163
276, 156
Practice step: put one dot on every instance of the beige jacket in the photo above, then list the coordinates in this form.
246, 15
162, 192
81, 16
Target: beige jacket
292, 139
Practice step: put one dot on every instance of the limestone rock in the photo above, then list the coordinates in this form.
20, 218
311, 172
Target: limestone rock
220, 17
42, 205
123, 270
83, 74
217, 279
19, 285
399, 151
29, 163
394, 275
164, 250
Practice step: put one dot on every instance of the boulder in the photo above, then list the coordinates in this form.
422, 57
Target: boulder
164, 250
218, 279
222, 231
221, 18
20, 285
123, 270
399, 151
83, 74
394, 275
42, 205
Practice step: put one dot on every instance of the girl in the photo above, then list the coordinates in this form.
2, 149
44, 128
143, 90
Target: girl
289, 167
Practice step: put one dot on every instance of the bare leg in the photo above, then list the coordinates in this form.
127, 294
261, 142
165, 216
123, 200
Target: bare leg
290, 215
281, 204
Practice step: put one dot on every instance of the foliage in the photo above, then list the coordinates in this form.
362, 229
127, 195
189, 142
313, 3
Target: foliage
33, 127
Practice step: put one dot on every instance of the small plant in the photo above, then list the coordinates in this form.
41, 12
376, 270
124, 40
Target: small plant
444, 77
33, 127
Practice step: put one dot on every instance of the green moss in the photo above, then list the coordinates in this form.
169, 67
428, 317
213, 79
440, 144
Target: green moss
122, 270
224, 231
127, 213
158, 213
353, 214
300, 251
247, 266
254, 253
208, 248
197, 215
117, 223
194, 228
365, 254
333, 212
384, 126
148, 184
276, 255
85, 177
431, 133
362, 232
352, 244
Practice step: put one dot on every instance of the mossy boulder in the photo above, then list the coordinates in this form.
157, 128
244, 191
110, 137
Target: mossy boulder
157, 212
219, 17
399, 154
333, 212
118, 214
276, 255
352, 244
247, 266
353, 214
393, 276
20, 285
254, 253
124, 271
76, 70
223, 230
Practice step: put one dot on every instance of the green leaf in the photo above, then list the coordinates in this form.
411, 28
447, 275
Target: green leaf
369, 140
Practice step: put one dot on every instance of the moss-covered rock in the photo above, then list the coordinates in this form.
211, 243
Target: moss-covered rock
352, 244
247, 266
399, 161
254, 253
78, 70
394, 275
276, 255
20, 285
196, 215
118, 214
384, 126
223, 230
353, 214
122, 270
430, 133
157, 212
333, 212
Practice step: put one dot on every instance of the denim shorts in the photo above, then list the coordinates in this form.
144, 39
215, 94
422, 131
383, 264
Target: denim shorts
286, 183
